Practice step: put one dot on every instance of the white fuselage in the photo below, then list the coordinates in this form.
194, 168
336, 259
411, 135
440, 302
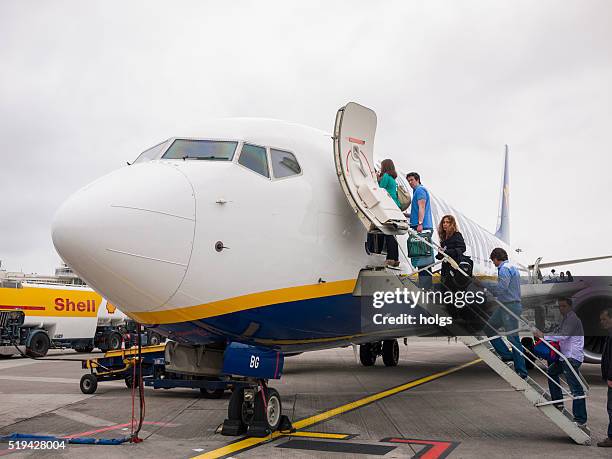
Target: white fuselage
145, 236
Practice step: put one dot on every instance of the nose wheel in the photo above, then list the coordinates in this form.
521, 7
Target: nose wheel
268, 410
255, 410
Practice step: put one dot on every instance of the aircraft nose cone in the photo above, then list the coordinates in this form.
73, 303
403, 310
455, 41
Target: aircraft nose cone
129, 234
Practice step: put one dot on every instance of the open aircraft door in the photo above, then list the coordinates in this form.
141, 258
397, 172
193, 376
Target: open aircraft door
354, 156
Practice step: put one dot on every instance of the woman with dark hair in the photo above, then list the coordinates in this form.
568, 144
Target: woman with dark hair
386, 180
452, 244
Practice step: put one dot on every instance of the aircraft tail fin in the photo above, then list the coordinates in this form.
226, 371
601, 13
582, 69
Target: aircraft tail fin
503, 218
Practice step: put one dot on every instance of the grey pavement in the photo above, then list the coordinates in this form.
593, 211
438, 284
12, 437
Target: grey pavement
473, 408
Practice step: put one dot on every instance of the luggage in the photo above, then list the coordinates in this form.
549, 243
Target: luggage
467, 266
456, 279
421, 262
418, 248
403, 197
542, 351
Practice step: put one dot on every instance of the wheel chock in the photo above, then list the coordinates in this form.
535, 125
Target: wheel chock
259, 429
285, 425
232, 427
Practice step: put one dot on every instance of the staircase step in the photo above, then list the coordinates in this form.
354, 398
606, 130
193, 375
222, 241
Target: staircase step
535, 393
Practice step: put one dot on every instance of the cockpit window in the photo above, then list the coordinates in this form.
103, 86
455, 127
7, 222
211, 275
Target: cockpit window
254, 158
212, 150
284, 164
151, 153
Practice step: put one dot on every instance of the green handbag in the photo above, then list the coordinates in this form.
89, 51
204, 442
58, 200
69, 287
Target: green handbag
418, 248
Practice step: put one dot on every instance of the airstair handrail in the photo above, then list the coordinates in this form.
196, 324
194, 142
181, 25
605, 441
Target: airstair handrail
519, 319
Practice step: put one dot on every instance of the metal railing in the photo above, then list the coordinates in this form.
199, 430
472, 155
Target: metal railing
524, 326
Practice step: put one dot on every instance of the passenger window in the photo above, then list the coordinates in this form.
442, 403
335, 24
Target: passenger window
284, 164
254, 158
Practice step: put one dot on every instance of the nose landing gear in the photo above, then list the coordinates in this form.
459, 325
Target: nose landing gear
255, 409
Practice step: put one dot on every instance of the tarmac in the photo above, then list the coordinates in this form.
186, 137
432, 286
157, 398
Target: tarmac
438, 402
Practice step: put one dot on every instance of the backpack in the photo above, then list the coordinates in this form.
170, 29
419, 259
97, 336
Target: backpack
467, 265
542, 351
403, 197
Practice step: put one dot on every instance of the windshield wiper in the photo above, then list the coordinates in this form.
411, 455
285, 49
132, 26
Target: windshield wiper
205, 158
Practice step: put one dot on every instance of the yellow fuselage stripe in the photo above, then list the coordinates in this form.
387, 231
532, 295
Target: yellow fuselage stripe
307, 422
250, 301
244, 302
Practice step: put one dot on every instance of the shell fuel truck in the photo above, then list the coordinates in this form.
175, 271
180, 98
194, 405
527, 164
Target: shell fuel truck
37, 317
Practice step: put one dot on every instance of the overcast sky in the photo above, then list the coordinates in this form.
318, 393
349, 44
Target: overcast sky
86, 86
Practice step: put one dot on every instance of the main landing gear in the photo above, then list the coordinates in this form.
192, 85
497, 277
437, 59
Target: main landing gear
255, 409
388, 349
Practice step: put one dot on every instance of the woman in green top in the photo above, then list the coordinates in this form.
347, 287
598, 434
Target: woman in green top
386, 180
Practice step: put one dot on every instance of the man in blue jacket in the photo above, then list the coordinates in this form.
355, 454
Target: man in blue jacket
508, 292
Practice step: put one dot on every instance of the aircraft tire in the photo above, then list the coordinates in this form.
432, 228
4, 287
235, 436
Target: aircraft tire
269, 412
367, 354
236, 410
390, 353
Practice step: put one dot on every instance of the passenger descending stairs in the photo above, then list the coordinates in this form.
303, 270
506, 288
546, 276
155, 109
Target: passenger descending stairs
532, 391
481, 346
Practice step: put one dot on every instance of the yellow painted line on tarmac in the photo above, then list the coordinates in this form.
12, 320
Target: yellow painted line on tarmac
329, 436
375, 397
251, 442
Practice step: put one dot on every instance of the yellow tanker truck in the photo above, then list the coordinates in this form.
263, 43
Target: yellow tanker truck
37, 317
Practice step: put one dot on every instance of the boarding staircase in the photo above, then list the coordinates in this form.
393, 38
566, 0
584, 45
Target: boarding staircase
532, 390
536, 394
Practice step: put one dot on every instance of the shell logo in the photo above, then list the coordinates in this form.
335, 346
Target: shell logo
111, 308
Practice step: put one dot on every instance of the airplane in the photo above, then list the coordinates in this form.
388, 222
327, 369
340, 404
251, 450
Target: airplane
245, 242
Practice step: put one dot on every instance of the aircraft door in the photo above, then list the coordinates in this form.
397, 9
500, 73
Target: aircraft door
354, 133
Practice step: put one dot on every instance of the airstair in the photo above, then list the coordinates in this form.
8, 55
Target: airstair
531, 389
354, 133
534, 392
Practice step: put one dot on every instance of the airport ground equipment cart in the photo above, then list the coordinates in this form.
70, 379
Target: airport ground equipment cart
122, 365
